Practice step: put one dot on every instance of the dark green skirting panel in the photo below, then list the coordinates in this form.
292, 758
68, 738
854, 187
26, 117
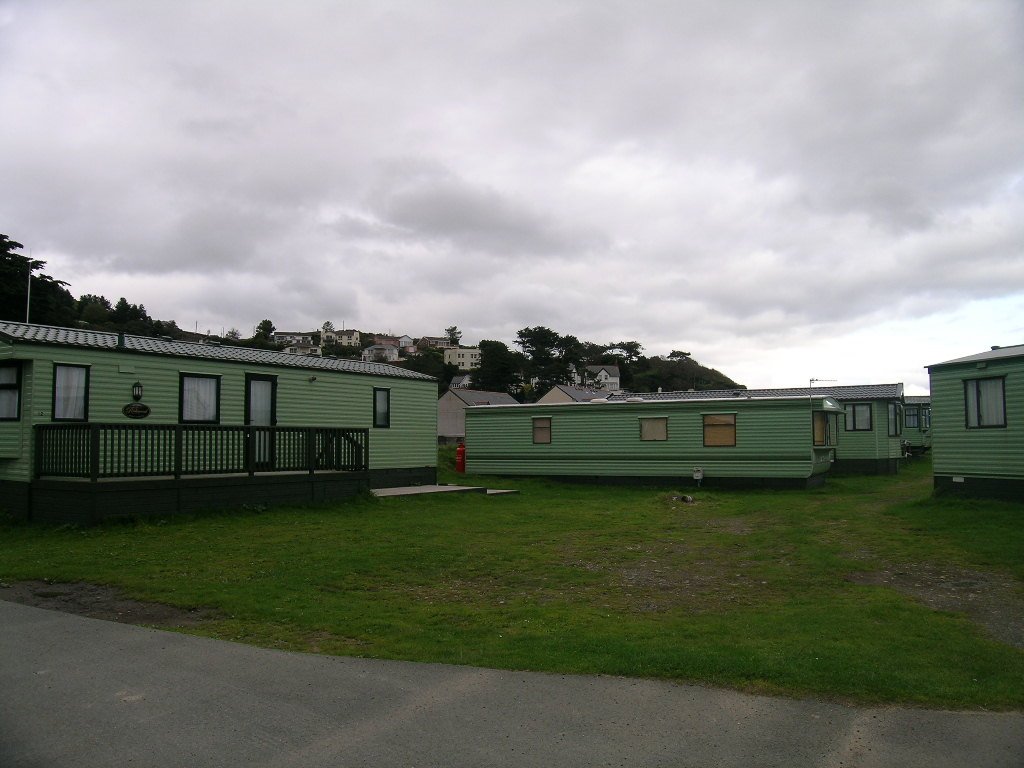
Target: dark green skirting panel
397, 478
83, 502
647, 481
866, 466
1009, 489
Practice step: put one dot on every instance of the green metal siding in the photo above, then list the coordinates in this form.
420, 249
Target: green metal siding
992, 452
919, 436
773, 440
12, 434
872, 444
330, 399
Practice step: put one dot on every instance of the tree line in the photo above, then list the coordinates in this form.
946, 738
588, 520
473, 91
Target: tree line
546, 358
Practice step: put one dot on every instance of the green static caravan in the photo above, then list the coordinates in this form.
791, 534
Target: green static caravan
869, 439
96, 424
774, 441
978, 423
917, 423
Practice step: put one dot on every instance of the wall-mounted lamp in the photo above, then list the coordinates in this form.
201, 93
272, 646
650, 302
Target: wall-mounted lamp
312, 378
137, 391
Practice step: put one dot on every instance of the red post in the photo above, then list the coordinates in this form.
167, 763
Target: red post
460, 459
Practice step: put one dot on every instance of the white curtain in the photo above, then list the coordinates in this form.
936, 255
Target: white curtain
9, 397
69, 392
198, 399
260, 402
990, 391
260, 415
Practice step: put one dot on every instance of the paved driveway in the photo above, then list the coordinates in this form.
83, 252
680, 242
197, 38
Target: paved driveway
81, 692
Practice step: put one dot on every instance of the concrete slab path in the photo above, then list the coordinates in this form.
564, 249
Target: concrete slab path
81, 692
416, 490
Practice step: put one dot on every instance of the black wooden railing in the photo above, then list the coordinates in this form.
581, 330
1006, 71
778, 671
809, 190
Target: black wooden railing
97, 451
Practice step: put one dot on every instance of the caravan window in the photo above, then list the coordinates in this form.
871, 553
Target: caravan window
719, 429
654, 428
199, 401
70, 392
542, 430
985, 403
911, 418
894, 420
858, 417
381, 408
825, 428
10, 391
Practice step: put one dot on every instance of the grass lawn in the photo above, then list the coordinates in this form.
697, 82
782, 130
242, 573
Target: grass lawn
865, 590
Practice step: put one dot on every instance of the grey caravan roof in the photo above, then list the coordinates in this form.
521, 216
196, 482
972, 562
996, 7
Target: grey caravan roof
996, 353
578, 394
853, 392
482, 397
147, 345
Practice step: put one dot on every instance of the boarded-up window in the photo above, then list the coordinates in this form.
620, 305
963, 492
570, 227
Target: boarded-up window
720, 429
820, 428
825, 428
654, 428
542, 430
858, 417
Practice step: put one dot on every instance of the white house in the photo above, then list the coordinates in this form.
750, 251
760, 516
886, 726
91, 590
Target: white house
603, 377
309, 350
348, 338
380, 353
466, 358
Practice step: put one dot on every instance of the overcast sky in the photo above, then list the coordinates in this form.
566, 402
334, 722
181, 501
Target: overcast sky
786, 190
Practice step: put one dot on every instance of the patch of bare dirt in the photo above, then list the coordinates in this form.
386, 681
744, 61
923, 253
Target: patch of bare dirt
100, 602
994, 601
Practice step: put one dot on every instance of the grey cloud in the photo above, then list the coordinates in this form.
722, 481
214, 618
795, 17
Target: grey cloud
747, 175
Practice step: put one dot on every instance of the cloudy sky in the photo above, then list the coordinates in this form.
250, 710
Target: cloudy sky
786, 190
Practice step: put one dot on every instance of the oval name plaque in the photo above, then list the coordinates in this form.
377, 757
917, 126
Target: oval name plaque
136, 410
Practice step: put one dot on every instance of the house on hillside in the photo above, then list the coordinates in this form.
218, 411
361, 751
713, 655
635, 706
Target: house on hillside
462, 381
978, 423
349, 338
451, 411
466, 358
604, 377
380, 353
563, 393
310, 350
96, 425
917, 423
407, 345
435, 342
869, 440
784, 441
293, 337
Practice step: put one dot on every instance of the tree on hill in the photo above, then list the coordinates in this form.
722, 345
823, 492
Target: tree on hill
500, 368
264, 330
431, 362
454, 334
51, 303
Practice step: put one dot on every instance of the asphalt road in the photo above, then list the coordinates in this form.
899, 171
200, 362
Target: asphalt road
81, 692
